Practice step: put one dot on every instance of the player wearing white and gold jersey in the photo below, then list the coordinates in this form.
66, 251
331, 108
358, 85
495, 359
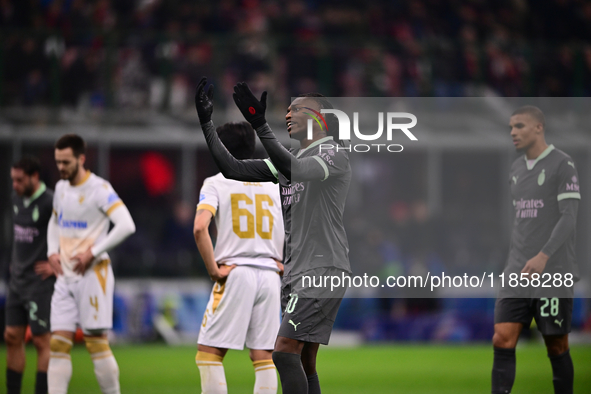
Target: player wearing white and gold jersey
245, 301
78, 240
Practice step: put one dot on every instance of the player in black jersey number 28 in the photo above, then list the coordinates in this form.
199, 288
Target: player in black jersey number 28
314, 181
545, 191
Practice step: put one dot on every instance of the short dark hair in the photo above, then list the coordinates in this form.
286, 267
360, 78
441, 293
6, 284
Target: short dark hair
29, 164
533, 111
73, 141
332, 122
238, 138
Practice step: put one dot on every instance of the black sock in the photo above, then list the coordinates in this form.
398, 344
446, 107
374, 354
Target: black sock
313, 384
503, 373
13, 381
291, 373
563, 373
41, 383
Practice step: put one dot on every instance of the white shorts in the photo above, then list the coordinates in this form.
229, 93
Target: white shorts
87, 302
243, 310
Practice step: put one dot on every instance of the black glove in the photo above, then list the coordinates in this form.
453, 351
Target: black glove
203, 101
252, 109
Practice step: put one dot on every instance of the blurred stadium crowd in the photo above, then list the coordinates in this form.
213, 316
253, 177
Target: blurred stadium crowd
150, 53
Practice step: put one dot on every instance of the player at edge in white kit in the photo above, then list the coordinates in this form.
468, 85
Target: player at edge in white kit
245, 302
77, 240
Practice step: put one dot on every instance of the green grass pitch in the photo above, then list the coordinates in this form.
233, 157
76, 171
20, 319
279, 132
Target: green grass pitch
382, 368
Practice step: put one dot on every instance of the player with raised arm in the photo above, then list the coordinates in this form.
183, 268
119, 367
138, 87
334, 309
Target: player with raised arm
78, 240
31, 278
313, 186
545, 191
245, 300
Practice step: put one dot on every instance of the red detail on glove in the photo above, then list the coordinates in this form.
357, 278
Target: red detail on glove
251, 110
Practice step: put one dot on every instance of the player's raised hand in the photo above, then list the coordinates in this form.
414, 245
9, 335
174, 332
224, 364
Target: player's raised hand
252, 108
56, 266
43, 269
204, 101
84, 260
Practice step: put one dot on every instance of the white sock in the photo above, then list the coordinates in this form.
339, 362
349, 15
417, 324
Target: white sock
106, 369
265, 377
213, 377
107, 374
59, 371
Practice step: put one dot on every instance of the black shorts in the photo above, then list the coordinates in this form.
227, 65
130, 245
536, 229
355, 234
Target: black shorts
307, 319
32, 310
553, 315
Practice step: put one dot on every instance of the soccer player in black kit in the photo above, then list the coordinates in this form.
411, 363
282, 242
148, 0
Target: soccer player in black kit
314, 181
545, 191
31, 278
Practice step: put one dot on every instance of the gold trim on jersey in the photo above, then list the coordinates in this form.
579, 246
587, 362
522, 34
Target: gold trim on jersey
102, 271
113, 207
218, 292
88, 173
207, 207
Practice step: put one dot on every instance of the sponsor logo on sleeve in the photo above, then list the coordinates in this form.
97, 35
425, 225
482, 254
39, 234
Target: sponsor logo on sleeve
112, 198
327, 158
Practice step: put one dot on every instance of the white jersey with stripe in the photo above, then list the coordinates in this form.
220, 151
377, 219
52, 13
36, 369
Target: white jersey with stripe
83, 218
248, 219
